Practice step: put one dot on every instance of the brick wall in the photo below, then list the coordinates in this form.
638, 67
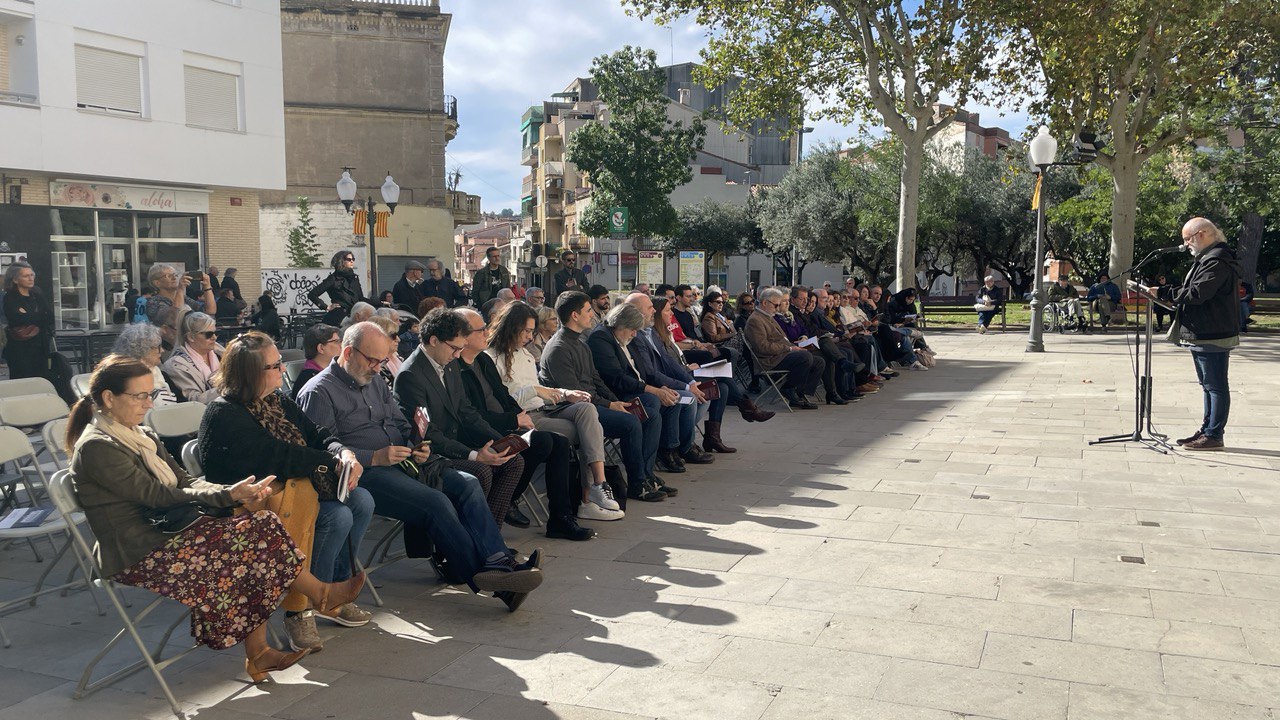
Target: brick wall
333, 230
233, 238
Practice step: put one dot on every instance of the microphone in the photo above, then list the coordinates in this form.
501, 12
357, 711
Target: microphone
1173, 248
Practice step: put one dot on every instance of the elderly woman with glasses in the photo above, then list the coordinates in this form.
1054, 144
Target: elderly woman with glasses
251, 428
142, 342
193, 363
744, 305
231, 571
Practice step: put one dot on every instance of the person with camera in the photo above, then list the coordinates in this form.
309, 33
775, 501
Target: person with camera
171, 291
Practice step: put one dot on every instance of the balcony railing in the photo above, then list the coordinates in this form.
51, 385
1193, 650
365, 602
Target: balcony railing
451, 107
526, 186
529, 155
18, 98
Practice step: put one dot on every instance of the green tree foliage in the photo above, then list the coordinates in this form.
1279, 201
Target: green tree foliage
1148, 74
883, 61
716, 227
303, 244
636, 156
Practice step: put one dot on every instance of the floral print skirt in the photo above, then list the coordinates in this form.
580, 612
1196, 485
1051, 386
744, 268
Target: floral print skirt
231, 572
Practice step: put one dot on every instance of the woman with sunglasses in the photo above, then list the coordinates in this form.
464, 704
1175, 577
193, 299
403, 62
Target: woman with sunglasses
342, 286
230, 570
191, 366
745, 305
251, 429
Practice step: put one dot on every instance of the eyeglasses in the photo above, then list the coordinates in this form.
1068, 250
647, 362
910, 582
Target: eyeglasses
457, 349
348, 259
142, 396
274, 366
715, 302
331, 341
570, 260
208, 334
373, 361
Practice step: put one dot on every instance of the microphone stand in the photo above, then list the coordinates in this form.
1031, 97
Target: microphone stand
1143, 390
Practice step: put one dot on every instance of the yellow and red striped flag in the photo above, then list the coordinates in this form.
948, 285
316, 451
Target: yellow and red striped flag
379, 223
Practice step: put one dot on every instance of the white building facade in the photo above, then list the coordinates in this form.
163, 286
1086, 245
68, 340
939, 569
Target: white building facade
136, 131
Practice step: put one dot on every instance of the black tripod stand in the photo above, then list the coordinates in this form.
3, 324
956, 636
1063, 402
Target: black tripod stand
1143, 390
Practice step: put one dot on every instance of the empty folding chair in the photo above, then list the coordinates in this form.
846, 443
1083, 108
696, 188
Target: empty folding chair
292, 369
26, 386
14, 447
64, 498
80, 384
191, 458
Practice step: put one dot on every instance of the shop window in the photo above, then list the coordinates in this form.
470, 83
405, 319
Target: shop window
115, 225
108, 80
73, 222
169, 227
184, 255
213, 99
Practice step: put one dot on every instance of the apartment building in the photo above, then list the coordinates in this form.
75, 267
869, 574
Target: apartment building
136, 132
554, 193
471, 242
364, 88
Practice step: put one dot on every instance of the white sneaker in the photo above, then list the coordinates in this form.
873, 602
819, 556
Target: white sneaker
592, 511
601, 495
982, 329
917, 365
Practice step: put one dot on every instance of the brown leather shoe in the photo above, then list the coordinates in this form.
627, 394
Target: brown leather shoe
868, 388
1204, 443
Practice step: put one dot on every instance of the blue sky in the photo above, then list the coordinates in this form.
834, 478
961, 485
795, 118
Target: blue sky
504, 55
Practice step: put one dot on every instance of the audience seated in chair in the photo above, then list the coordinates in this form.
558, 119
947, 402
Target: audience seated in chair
196, 359
776, 352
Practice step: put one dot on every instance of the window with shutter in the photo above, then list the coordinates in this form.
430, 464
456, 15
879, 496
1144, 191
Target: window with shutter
213, 99
108, 80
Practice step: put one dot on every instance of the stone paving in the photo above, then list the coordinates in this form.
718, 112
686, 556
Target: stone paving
949, 548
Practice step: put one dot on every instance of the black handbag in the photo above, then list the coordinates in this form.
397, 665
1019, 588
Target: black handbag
176, 518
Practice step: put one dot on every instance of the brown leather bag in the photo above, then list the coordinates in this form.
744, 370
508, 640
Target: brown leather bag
23, 332
297, 504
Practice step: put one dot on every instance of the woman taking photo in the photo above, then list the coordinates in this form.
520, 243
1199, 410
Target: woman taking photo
30, 332
252, 429
509, 334
122, 474
342, 286
196, 359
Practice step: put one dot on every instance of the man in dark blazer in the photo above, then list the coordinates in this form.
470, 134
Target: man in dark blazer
486, 393
430, 379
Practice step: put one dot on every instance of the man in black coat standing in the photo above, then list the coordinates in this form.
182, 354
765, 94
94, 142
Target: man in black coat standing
569, 277
1209, 313
438, 285
408, 290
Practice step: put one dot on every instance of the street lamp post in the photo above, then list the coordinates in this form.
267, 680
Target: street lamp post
1043, 151
390, 195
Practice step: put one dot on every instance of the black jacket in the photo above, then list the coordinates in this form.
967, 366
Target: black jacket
234, 446
995, 292
1208, 300
689, 325
485, 283
612, 364
483, 365
343, 288
445, 288
560, 281
410, 296
456, 428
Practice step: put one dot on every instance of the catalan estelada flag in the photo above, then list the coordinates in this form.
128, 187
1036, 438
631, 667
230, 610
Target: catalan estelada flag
379, 223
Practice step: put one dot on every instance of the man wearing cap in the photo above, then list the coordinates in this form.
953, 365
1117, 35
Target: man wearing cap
991, 297
488, 280
408, 289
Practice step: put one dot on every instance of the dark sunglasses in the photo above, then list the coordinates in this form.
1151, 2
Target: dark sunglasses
208, 334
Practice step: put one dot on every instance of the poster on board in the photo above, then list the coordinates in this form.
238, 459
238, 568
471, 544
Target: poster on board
289, 287
650, 268
693, 267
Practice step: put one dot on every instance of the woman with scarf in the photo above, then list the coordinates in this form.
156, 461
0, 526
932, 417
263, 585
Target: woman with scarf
230, 570
193, 363
342, 286
253, 429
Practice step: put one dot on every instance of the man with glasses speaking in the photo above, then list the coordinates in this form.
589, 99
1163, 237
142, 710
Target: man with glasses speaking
569, 277
350, 399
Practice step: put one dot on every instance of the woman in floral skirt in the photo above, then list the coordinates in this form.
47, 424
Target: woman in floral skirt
230, 570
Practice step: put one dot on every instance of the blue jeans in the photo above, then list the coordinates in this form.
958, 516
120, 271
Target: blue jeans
678, 423
456, 519
985, 317
731, 391
1211, 370
1245, 310
639, 441
908, 352
337, 524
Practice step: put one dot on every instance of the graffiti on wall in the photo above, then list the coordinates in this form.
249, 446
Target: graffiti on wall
289, 287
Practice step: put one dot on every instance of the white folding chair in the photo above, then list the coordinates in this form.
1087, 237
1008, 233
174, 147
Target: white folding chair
80, 384
64, 498
191, 458
292, 369
14, 447
176, 420
26, 386
292, 354
773, 377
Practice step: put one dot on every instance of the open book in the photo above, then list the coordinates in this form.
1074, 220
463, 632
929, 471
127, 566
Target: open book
514, 443
808, 342
344, 478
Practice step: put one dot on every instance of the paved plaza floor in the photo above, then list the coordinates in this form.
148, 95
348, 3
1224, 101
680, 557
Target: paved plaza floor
948, 548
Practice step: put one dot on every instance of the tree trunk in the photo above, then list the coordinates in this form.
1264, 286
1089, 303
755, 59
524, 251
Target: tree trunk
908, 210
1124, 213
1251, 225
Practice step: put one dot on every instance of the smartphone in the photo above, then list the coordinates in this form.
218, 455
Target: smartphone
194, 275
